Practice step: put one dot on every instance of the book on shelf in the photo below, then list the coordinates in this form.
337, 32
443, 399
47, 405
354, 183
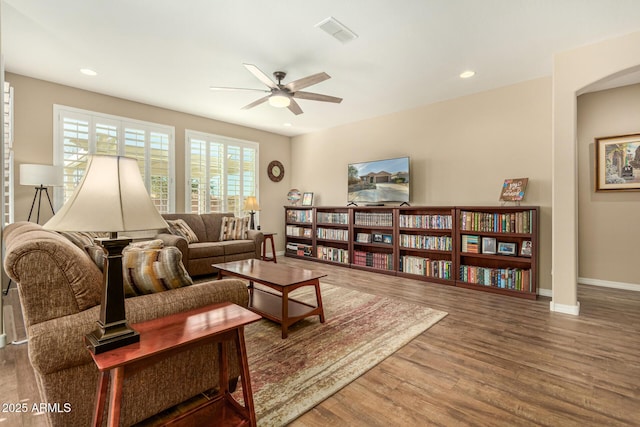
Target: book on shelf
295, 215
470, 244
504, 278
332, 234
341, 218
435, 222
328, 253
495, 222
380, 219
363, 238
434, 243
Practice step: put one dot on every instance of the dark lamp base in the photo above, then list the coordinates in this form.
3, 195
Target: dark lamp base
103, 339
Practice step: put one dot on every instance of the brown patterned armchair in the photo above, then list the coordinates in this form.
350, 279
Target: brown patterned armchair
60, 289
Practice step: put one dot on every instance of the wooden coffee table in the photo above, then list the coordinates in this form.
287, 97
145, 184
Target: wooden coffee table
284, 279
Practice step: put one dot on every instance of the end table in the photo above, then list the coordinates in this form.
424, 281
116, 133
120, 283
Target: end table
168, 335
268, 235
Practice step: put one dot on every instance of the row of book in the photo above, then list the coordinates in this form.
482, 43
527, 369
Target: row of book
377, 260
505, 278
332, 234
299, 249
440, 269
435, 243
332, 254
294, 231
294, 215
332, 218
380, 219
510, 222
436, 222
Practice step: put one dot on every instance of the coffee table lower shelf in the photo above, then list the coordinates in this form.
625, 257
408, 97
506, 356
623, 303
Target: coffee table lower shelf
269, 306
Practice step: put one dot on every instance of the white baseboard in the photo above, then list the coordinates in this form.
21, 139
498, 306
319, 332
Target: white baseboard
566, 309
609, 284
545, 292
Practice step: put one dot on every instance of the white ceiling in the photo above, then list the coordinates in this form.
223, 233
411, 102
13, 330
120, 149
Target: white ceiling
409, 52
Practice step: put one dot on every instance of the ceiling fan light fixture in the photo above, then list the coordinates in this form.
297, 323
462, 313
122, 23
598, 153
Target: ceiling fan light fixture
279, 101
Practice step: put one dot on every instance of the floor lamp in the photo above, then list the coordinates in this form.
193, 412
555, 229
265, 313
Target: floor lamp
42, 177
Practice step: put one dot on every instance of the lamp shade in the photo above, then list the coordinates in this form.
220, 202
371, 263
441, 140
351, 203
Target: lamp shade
45, 175
111, 197
251, 204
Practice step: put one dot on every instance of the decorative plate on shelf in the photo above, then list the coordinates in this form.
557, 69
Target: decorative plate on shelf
294, 196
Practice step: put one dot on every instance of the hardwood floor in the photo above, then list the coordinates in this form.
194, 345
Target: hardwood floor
494, 360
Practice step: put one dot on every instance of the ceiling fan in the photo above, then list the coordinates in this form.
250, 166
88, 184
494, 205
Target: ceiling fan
281, 95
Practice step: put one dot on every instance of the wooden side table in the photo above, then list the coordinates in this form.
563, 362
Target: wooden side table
269, 236
159, 338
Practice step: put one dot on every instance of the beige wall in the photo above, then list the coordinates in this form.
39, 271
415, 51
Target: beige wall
34, 100
573, 71
461, 151
608, 232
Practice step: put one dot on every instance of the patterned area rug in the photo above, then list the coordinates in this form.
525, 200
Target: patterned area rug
293, 375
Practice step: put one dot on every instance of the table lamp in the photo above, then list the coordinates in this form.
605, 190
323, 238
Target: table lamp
110, 198
251, 205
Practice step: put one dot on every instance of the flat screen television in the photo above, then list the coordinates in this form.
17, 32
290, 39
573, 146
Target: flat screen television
379, 181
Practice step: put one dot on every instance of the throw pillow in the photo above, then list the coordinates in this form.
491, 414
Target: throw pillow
178, 227
148, 271
82, 239
96, 253
234, 228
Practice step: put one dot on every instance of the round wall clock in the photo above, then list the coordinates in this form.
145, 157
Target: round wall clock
275, 170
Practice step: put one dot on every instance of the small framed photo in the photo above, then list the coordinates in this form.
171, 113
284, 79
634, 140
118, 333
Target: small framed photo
386, 238
307, 199
488, 245
525, 250
505, 248
377, 238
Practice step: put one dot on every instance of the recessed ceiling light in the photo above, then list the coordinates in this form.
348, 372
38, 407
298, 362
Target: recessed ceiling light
467, 74
88, 72
287, 124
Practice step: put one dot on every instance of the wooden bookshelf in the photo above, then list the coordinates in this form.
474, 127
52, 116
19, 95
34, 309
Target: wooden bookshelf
299, 232
426, 243
438, 244
333, 235
492, 267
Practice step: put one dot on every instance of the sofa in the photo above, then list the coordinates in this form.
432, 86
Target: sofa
60, 288
209, 249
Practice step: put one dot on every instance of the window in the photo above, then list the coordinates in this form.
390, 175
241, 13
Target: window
79, 133
221, 172
7, 153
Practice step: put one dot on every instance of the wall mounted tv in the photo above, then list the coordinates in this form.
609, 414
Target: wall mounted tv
379, 181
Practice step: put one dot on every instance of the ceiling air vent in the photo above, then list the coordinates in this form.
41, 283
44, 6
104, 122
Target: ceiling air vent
336, 30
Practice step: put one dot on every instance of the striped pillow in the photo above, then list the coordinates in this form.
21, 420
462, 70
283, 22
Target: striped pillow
179, 227
147, 271
234, 228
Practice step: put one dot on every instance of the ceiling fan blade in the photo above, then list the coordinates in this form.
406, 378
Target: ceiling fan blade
295, 108
257, 102
217, 88
307, 81
260, 75
317, 97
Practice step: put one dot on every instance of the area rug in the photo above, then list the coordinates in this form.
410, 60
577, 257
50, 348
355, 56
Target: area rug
290, 376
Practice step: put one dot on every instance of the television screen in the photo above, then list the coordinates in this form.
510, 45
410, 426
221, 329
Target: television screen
379, 181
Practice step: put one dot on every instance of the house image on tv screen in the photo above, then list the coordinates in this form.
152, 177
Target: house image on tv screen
379, 181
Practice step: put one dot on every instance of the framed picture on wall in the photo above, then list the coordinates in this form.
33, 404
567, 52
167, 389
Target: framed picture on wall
618, 163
